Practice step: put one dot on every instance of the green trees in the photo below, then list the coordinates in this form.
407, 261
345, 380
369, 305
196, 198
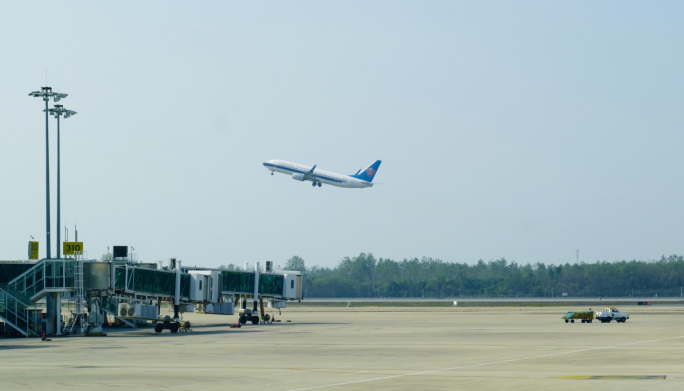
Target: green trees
364, 276
229, 267
295, 263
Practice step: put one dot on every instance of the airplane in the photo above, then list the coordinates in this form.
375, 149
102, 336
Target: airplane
300, 172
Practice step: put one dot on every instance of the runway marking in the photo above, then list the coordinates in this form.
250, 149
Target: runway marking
485, 364
614, 377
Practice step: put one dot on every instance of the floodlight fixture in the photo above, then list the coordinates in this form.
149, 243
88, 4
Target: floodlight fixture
59, 110
46, 93
59, 95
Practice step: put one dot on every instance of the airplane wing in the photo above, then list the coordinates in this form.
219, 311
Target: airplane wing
309, 176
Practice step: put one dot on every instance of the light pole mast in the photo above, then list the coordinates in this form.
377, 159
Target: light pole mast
57, 111
46, 93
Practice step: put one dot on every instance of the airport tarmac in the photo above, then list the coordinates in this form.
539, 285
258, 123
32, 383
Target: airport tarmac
366, 348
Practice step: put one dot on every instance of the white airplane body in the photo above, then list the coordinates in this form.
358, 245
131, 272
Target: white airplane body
301, 172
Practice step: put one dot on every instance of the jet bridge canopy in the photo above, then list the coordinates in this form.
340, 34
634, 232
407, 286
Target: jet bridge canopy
243, 282
150, 281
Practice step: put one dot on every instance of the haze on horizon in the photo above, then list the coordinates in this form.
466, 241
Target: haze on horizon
517, 130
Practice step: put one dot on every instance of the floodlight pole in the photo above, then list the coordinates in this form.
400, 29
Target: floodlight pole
46, 93
57, 111
59, 226
46, 98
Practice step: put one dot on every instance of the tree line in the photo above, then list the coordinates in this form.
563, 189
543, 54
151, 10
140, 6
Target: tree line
364, 276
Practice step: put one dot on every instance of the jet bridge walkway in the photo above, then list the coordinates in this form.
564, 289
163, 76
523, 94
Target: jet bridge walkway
143, 281
22, 285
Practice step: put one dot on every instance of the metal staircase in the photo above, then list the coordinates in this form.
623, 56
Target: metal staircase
19, 296
46, 276
16, 310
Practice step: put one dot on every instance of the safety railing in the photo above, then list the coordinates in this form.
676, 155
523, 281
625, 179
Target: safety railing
48, 275
16, 311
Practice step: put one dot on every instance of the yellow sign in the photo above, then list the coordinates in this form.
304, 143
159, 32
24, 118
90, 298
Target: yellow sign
33, 250
71, 248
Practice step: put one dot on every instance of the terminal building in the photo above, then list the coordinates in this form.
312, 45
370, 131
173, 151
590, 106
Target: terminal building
77, 296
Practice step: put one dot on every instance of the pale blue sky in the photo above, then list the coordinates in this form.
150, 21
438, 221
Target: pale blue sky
518, 130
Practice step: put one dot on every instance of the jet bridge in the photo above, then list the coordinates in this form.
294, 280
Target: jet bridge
97, 288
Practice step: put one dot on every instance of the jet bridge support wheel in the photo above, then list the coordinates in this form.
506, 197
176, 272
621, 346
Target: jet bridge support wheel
158, 327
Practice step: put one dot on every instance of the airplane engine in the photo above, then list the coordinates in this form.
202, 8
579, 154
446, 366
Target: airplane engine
298, 177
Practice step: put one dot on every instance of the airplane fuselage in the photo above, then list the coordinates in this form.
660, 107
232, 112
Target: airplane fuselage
302, 172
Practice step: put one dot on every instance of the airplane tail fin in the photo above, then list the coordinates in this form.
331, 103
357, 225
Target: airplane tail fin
369, 173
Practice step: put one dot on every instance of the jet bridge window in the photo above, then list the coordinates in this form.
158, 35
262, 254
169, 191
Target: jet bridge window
200, 286
291, 284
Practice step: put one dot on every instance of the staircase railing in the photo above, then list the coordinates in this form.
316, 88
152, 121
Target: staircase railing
18, 296
15, 310
46, 276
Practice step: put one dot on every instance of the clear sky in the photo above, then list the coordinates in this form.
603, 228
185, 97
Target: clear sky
522, 130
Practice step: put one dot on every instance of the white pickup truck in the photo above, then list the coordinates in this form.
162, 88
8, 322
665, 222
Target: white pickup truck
612, 313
